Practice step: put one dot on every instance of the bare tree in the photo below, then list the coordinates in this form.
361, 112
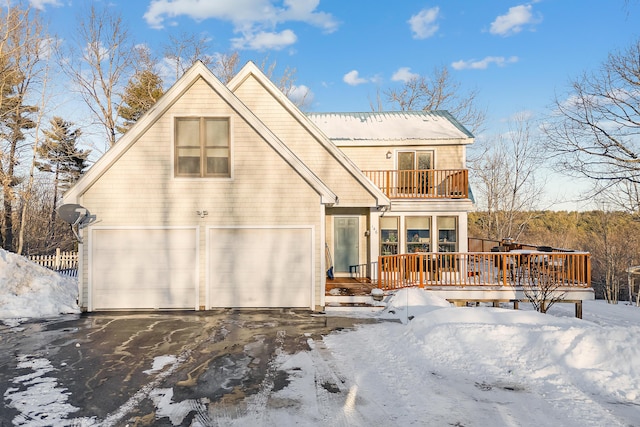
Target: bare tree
595, 128
286, 82
507, 181
98, 63
612, 241
184, 49
543, 290
438, 91
225, 66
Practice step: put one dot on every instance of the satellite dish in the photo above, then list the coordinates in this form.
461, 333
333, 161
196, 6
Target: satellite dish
76, 215
72, 213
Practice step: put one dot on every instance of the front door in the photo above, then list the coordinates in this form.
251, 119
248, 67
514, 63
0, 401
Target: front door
345, 243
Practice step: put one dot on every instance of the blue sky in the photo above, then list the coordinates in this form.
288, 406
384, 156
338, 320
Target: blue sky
518, 55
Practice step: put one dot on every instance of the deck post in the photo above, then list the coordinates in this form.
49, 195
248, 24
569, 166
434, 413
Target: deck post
579, 309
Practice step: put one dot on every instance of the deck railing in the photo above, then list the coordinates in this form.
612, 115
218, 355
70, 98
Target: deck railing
422, 184
524, 268
362, 272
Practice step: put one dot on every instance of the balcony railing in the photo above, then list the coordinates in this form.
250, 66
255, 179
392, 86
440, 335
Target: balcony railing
422, 184
501, 269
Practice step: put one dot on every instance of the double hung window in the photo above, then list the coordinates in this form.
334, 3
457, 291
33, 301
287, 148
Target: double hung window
202, 147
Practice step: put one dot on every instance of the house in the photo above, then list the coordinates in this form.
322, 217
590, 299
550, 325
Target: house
229, 196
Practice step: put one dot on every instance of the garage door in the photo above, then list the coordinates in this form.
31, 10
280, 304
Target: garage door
260, 267
143, 268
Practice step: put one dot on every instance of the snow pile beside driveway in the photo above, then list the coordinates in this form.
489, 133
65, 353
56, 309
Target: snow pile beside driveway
28, 290
504, 366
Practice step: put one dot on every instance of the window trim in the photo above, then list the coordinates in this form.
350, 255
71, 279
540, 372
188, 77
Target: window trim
202, 125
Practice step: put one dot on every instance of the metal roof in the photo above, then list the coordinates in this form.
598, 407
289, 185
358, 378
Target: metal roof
391, 125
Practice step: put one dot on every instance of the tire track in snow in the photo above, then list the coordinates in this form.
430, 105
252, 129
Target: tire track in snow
336, 398
392, 383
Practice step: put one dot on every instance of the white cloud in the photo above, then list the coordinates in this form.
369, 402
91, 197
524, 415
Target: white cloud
353, 78
513, 21
265, 40
40, 4
483, 64
423, 25
256, 20
404, 74
301, 95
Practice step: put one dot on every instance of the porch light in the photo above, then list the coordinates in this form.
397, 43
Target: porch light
389, 154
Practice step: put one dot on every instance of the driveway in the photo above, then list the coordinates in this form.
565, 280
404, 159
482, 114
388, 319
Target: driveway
165, 368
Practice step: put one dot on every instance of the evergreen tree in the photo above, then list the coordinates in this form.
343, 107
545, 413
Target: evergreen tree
15, 121
142, 91
60, 155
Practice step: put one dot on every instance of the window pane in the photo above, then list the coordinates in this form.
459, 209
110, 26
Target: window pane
217, 132
447, 222
217, 166
424, 160
406, 161
418, 234
217, 161
389, 235
188, 132
189, 161
447, 234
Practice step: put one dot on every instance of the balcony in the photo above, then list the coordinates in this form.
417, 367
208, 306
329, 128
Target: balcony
422, 184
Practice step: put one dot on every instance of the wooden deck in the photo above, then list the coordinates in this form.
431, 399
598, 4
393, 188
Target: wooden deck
348, 286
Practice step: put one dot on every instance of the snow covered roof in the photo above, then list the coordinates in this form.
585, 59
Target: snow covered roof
395, 125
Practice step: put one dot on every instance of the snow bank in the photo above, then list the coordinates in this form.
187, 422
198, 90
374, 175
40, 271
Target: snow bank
28, 290
561, 358
408, 303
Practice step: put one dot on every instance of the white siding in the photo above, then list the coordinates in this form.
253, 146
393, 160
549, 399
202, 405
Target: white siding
139, 188
303, 144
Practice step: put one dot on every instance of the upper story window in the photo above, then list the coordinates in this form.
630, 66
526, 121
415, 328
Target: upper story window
415, 160
414, 177
202, 147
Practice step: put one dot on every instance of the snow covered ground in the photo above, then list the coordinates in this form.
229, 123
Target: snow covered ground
429, 364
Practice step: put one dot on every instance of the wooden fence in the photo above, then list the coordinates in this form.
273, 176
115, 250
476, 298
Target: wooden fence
63, 262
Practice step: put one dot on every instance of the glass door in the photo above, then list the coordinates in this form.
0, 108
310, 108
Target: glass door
410, 181
345, 243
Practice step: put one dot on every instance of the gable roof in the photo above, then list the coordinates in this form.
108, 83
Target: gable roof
392, 125
197, 71
250, 69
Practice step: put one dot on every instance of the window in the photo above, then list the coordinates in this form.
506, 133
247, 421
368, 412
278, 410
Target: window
415, 160
389, 235
418, 234
202, 147
447, 234
413, 177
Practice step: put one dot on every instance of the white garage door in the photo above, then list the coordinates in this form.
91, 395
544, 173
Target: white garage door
143, 268
260, 267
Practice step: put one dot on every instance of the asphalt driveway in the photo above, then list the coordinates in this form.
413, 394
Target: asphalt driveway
118, 368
